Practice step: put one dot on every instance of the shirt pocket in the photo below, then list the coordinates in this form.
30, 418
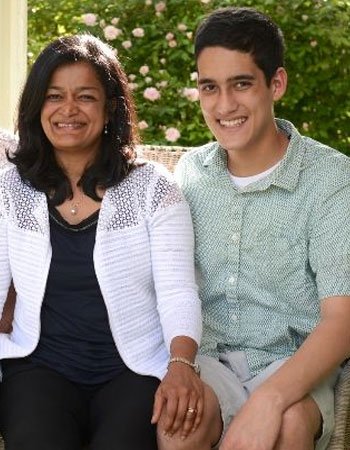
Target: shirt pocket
278, 261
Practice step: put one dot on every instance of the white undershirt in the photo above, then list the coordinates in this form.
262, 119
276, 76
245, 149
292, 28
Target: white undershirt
244, 181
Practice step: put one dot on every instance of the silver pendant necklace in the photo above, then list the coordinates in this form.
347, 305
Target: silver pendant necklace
74, 206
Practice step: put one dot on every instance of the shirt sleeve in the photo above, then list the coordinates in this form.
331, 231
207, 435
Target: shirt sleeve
329, 248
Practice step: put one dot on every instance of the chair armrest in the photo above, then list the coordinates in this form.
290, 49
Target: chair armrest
341, 435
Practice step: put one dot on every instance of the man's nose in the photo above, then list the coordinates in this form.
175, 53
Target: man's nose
226, 103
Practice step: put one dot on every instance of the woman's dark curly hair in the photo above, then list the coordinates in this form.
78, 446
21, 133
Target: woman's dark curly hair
35, 159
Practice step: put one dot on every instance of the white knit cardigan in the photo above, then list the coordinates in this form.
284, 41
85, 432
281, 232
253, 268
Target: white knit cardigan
143, 259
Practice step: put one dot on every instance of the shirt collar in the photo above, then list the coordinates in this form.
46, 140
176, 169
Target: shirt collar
286, 175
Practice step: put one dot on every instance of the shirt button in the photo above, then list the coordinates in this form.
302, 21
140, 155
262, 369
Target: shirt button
234, 317
232, 280
235, 237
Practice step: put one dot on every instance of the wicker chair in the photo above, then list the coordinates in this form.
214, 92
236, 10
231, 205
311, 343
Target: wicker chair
168, 156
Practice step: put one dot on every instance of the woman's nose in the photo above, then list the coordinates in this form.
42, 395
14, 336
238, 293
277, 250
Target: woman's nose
70, 106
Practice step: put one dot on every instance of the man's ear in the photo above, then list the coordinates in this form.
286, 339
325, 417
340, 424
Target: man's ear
279, 83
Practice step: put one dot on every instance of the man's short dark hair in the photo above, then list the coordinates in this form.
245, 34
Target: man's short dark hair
245, 30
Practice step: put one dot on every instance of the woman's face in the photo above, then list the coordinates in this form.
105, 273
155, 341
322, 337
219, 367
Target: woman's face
73, 115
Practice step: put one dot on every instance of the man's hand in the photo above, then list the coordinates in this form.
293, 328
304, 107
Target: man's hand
256, 426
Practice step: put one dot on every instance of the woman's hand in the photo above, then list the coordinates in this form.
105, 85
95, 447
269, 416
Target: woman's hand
179, 400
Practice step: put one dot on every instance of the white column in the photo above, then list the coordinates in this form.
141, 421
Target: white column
13, 58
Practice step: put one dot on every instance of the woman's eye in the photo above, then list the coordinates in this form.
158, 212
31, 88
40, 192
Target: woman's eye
53, 97
87, 97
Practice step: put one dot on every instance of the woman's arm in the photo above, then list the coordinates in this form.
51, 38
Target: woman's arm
179, 399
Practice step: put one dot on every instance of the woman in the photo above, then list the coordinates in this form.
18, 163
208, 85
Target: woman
99, 247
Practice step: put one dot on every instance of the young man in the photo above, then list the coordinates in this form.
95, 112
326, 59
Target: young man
271, 217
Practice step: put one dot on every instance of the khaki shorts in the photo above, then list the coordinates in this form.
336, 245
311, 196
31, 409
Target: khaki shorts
231, 380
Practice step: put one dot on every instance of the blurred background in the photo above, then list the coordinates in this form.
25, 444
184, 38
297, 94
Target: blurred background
154, 41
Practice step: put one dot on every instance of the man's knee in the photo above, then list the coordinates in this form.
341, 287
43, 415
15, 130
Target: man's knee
300, 426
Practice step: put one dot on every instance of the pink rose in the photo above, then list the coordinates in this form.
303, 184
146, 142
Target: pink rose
133, 86
169, 36
138, 32
111, 32
142, 125
160, 7
194, 76
126, 44
191, 94
144, 70
89, 19
172, 134
151, 93
172, 43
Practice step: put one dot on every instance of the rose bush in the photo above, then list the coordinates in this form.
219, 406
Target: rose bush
158, 36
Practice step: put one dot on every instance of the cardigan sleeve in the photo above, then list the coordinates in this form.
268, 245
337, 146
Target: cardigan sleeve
172, 257
5, 273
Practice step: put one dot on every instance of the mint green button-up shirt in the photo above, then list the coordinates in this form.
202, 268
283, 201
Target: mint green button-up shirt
267, 254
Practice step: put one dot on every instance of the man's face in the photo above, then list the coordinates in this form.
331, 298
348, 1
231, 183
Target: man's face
236, 102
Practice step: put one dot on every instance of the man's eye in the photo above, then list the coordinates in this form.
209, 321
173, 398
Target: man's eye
241, 85
208, 88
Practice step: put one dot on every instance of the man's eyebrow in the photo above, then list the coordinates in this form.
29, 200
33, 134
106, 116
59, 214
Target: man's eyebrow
243, 76
205, 80
240, 77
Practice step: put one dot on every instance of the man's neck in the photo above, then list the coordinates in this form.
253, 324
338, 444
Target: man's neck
245, 164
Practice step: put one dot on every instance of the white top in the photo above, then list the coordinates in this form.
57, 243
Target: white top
244, 181
143, 259
8, 142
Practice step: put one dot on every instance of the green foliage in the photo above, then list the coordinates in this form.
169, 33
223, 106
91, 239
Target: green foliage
317, 60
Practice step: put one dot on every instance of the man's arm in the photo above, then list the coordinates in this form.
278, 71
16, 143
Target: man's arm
258, 423
324, 349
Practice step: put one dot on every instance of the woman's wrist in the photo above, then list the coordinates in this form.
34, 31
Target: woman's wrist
182, 360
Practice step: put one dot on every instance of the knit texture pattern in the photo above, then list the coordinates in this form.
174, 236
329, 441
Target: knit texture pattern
8, 142
143, 258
